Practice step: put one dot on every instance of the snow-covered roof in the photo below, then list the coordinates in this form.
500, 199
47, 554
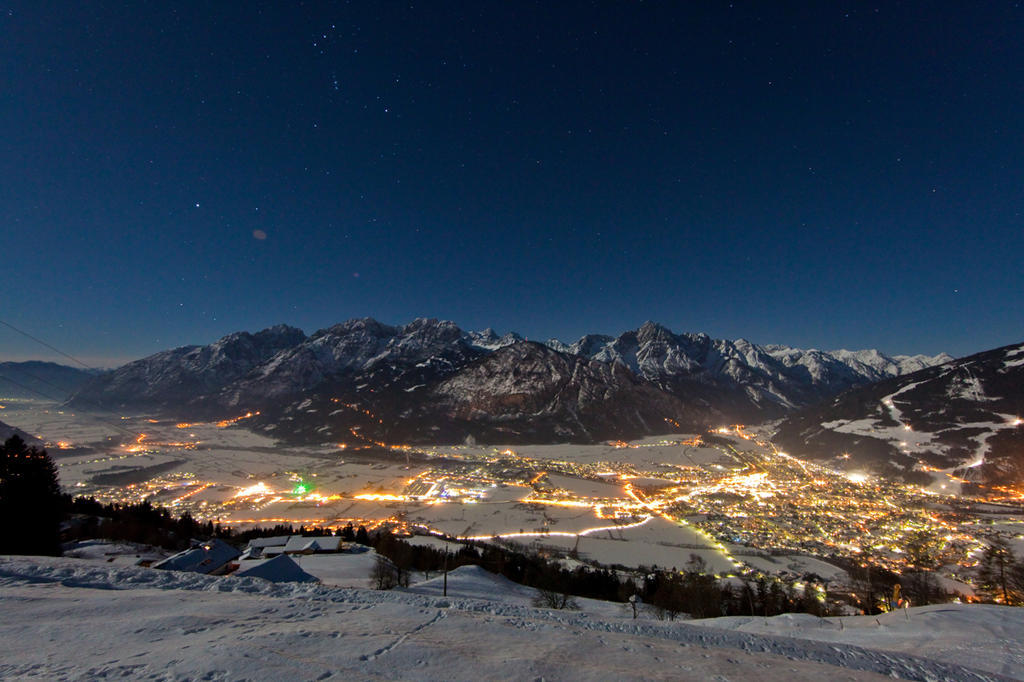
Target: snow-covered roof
330, 543
298, 543
206, 557
275, 541
292, 543
280, 569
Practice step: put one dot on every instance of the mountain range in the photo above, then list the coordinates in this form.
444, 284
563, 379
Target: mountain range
6, 431
34, 379
956, 426
430, 381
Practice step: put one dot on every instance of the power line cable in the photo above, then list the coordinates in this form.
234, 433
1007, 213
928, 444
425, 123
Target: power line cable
135, 434
21, 370
43, 343
226, 438
95, 404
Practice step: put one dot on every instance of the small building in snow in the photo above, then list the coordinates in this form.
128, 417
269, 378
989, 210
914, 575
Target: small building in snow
259, 548
262, 548
329, 543
211, 558
298, 544
280, 569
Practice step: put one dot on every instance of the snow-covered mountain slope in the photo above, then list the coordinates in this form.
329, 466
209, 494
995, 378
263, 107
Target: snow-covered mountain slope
488, 339
742, 377
529, 391
66, 618
359, 352
937, 426
429, 380
176, 378
6, 431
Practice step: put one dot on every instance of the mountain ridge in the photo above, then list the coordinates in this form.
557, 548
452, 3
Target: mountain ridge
35, 379
411, 373
952, 425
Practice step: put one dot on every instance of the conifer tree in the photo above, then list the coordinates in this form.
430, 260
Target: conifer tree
31, 506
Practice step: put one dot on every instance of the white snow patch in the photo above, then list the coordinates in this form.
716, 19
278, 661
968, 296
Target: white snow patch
100, 621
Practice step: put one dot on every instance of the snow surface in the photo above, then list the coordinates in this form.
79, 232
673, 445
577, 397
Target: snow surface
67, 618
980, 635
344, 569
280, 569
119, 553
474, 582
795, 563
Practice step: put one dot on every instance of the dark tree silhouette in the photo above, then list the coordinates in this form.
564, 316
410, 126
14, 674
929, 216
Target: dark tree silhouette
362, 537
31, 506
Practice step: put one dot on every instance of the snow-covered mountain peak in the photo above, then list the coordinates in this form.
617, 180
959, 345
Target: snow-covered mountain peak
650, 330
282, 333
359, 325
740, 379
590, 345
559, 345
425, 331
488, 339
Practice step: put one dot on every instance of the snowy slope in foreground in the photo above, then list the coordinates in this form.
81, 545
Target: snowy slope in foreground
979, 635
66, 618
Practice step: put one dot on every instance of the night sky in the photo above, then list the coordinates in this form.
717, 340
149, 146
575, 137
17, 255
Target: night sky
819, 174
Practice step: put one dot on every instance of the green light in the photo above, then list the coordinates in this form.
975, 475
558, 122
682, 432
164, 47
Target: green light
300, 489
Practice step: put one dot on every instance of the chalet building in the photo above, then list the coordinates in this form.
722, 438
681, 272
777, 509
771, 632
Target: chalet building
212, 557
262, 548
280, 569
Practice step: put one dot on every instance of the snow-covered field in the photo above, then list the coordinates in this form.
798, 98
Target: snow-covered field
658, 542
654, 451
72, 618
796, 564
979, 635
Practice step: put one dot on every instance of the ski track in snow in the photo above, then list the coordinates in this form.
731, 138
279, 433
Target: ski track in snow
312, 601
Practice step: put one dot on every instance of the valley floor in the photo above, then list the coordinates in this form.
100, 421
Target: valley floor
72, 618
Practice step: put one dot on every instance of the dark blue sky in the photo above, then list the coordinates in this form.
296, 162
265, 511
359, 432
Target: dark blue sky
816, 174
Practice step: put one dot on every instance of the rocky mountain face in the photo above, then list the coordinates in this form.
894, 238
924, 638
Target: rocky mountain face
742, 379
528, 391
429, 381
488, 339
178, 380
358, 353
956, 424
522, 393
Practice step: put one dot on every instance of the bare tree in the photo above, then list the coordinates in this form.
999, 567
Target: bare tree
555, 599
383, 574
